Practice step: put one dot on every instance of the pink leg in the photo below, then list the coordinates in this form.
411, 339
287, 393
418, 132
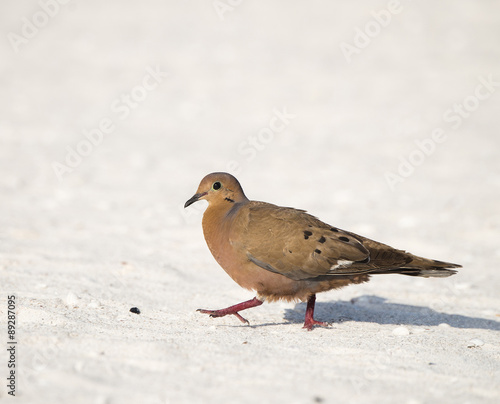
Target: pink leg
310, 322
234, 309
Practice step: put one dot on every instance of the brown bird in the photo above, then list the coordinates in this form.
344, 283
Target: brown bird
285, 253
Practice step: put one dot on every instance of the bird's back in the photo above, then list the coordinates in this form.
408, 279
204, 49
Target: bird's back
299, 246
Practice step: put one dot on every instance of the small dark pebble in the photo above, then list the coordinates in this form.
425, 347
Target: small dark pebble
135, 310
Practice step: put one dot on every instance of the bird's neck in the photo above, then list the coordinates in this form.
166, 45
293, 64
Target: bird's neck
216, 225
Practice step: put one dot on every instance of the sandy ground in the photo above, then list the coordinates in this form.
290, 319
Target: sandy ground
170, 91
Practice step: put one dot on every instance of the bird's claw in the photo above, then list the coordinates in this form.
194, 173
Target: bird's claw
222, 313
211, 313
309, 325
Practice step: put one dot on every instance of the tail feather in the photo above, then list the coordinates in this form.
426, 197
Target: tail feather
419, 266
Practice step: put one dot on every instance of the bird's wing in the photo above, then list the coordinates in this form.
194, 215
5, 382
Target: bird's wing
297, 245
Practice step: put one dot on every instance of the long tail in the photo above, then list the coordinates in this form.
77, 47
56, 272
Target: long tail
424, 267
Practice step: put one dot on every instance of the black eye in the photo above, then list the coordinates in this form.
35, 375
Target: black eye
216, 185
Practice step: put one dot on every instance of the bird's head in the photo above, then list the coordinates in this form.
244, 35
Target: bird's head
218, 188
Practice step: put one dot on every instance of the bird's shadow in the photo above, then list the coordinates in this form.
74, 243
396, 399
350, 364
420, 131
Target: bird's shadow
374, 309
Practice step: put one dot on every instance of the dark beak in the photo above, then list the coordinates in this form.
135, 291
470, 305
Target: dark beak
195, 198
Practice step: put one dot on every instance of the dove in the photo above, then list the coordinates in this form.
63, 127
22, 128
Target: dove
283, 253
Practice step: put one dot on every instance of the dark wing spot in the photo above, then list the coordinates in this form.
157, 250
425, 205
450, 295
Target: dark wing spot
342, 238
365, 261
322, 240
290, 251
317, 251
334, 229
307, 233
229, 200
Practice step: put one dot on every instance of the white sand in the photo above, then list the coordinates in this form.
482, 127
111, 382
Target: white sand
79, 253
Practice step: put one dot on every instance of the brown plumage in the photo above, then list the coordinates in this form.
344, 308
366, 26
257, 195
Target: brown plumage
285, 253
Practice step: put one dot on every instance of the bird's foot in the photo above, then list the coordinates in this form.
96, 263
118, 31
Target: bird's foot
309, 324
234, 309
222, 313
